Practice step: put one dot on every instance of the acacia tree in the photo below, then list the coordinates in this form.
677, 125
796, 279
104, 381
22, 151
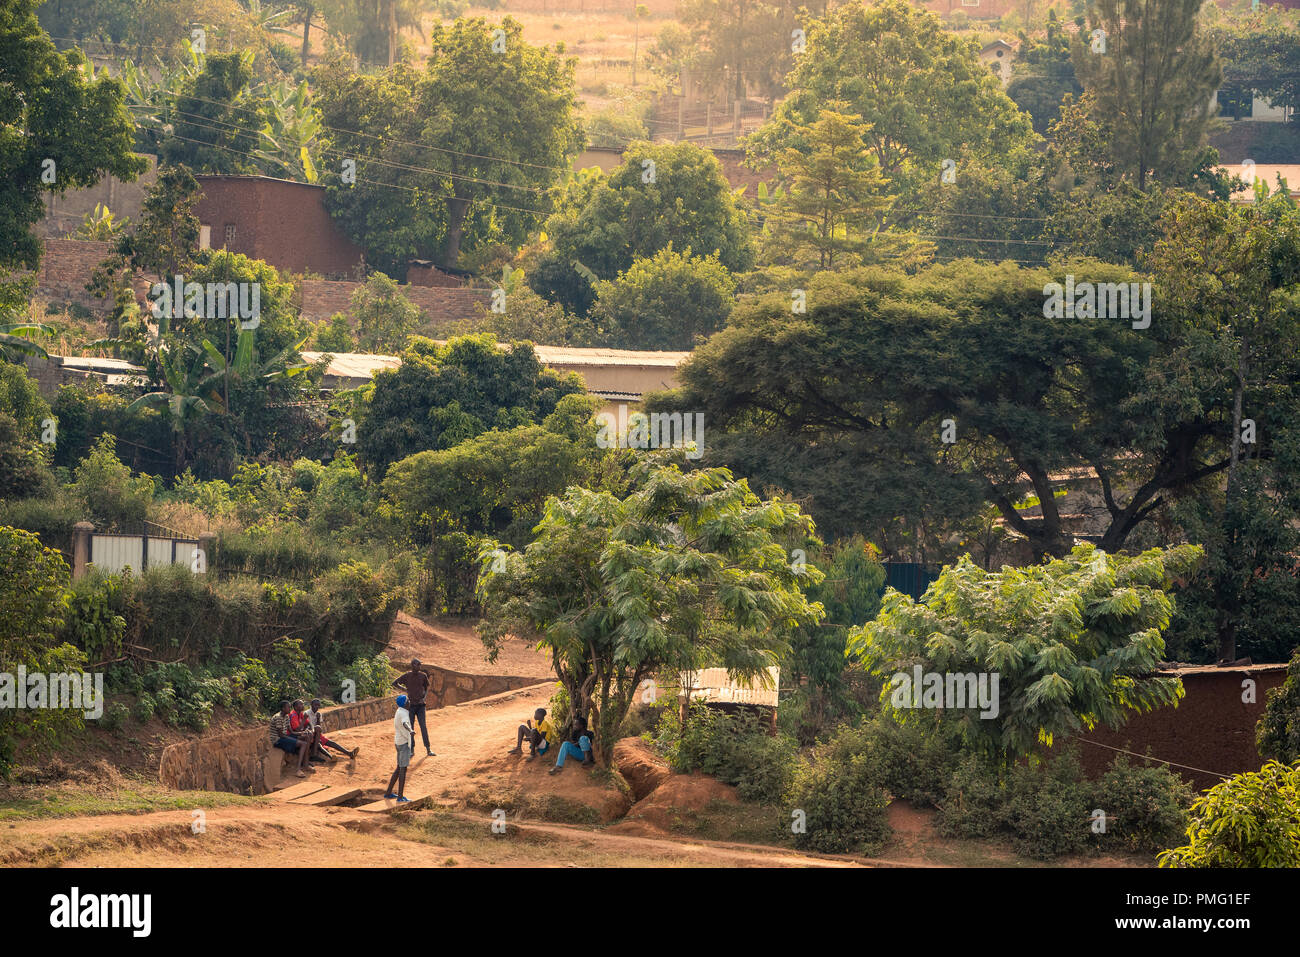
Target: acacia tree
1073, 641
688, 570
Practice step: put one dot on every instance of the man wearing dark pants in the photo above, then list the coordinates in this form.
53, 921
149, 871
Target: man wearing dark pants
416, 685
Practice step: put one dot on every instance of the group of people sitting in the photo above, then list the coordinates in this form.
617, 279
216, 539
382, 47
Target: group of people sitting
296, 730
541, 739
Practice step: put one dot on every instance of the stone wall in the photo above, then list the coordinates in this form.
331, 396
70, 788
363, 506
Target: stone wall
238, 761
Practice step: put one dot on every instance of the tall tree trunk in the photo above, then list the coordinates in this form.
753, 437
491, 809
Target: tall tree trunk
457, 207
1227, 604
308, 11
392, 31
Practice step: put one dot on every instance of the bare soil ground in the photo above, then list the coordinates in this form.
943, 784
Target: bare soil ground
453, 643
92, 813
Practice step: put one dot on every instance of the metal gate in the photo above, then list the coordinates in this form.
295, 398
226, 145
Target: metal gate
112, 553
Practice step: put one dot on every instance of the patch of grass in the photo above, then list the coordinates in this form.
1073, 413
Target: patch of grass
544, 807
474, 841
59, 802
741, 823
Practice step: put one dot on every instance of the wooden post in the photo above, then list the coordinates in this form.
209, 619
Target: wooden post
81, 533
737, 127
681, 117
708, 117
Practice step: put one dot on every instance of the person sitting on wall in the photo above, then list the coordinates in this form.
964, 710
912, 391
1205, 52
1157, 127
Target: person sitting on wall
322, 742
578, 746
300, 727
286, 741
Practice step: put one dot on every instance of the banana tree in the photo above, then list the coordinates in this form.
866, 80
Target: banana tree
15, 340
187, 389
290, 128
244, 368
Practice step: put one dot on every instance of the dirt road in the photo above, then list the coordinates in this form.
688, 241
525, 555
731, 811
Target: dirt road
471, 742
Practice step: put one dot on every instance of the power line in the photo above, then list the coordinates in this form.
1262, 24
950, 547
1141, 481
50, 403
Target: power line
368, 182
389, 140
388, 163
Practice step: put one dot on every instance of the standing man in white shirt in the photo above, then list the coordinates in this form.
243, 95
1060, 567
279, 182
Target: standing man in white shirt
403, 739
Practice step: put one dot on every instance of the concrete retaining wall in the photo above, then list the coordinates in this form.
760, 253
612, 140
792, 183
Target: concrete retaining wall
238, 761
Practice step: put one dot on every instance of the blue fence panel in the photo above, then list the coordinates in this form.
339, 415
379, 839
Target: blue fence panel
911, 578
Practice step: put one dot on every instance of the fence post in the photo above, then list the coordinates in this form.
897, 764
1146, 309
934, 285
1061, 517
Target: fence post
207, 544
81, 533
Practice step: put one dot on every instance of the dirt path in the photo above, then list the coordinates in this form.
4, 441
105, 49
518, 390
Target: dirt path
460, 735
278, 835
471, 742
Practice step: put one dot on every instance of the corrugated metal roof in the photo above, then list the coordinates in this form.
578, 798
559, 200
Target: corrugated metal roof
94, 364
353, 365
564, 355
713, 685
361, 365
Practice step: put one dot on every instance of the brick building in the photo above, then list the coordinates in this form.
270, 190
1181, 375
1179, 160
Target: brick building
278, 221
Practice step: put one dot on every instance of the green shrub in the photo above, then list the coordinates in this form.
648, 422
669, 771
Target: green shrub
1146, 807
1048, 807
373, 676
50, 518
1278, 733
734, 748
972, 803
110, 495
1250, 820
292, 673
94, 622
33, 600
144, 707
916, 763
838, 792
115, 716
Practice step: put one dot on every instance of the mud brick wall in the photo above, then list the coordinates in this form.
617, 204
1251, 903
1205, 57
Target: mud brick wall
281, 222
1211, 729
236, 761
322, 298
65, 269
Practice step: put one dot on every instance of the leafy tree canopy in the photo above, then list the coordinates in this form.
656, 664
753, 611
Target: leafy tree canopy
442, 395
60, 128
660, 195
688, 570
1073, 642
458, 154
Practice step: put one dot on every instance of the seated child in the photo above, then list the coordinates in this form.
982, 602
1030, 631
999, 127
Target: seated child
578, 746
541, 737
323, 742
